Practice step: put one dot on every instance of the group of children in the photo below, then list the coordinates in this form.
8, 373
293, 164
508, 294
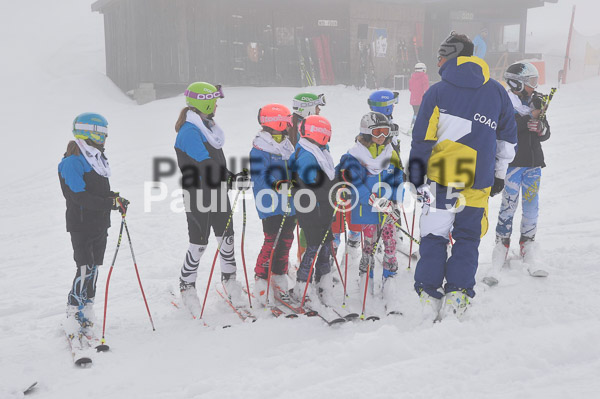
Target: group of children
290, 156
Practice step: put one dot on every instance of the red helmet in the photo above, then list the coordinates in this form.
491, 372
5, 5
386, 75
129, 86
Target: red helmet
276, 116
317, 128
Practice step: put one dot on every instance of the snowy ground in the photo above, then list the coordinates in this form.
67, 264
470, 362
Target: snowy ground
526, 338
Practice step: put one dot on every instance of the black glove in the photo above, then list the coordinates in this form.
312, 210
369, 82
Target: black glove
120, 204
238, 181
497, 187
537, 100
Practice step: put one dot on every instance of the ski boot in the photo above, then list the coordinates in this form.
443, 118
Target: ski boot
499, 255
232, 288
430, 307
325, 289
189, 297
456, 303
528, 249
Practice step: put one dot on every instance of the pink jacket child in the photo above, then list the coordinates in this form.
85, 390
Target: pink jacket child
418, 85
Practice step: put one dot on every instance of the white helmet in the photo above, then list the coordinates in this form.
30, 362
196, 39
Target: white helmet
420, 67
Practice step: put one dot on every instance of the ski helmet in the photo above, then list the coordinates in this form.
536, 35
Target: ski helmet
203, 96
455, 45
317, 128
375, 124
305, 104
91, 126
420, 67
521, 74
383, 101
275, 116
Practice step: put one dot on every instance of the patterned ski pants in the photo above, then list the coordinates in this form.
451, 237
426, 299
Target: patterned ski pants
527, 180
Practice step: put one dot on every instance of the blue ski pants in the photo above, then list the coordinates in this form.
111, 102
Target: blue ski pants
464, 213
526, 180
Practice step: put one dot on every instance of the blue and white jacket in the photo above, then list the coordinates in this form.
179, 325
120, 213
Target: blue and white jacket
266, 169
353, 171
87, 194
465, 131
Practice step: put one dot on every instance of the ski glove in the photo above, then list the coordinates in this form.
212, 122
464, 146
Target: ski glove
385, 206
497, 187
239, 181
424, 195
120, 204
536, 126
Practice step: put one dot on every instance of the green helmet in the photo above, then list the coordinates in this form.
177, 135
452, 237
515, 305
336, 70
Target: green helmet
305, 104
203, 96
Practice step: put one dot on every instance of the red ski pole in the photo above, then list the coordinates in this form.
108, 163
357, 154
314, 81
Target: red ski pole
212, 268
103, 347
138, 273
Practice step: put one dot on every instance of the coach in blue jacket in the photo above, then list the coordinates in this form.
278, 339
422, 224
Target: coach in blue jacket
464, 136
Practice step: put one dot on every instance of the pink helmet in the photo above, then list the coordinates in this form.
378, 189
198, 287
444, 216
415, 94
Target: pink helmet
317, 128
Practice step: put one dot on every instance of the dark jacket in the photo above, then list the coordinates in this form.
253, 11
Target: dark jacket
202, 166
308, 175
87, 193
529, 148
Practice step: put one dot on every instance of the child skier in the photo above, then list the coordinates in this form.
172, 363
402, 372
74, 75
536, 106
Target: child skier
418, 85
270, 170
83, 175
370, 163
304, 105
314, 171
199, 149
525, 171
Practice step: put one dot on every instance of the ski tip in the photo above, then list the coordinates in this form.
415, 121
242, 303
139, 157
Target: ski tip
394, 313
30, 388
490, 281
337, 321
351, 316
83, 362
373, 318
102, 348
291, 316
312, 313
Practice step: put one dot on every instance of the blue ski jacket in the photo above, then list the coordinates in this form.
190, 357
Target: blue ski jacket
265, 170
465, 131
352, 171
88, 195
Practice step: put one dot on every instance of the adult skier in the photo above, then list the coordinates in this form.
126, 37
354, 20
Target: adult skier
464, 136
525, 171
205, 180
314, 171
271, 174
83, 173
368, 165
418, 85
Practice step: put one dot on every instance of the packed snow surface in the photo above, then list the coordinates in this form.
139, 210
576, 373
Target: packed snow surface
525, 338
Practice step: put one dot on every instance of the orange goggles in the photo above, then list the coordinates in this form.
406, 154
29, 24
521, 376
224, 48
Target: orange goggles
380, 131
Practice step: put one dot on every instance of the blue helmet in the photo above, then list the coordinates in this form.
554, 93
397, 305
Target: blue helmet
383, 101
90, 126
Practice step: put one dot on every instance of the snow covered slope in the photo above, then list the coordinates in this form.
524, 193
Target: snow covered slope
526, 338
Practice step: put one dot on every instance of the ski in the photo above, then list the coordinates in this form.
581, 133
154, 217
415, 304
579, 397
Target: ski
30, 388
537, 272
292, 305
176, 304
490, 281
276, 311
79, 353
327, 314
243, 313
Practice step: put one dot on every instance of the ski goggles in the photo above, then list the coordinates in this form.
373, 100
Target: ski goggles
97, 134
206, 96
310, 103
377, 132
531, 81
278, 118
385, 103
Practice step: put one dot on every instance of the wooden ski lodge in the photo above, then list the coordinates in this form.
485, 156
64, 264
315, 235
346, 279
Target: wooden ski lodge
159, 46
